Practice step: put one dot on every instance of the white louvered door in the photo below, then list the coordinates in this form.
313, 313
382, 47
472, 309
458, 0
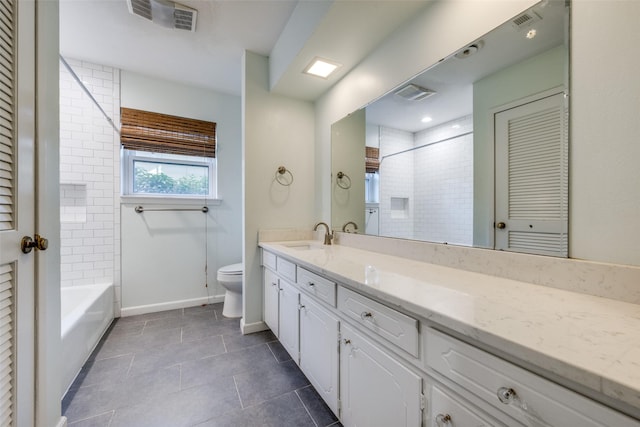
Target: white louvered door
531, 177
17, 130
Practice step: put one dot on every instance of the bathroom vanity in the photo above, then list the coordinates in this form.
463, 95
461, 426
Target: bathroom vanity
392, 341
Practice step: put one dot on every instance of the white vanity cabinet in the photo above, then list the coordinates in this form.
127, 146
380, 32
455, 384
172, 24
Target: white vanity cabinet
319, 349
375, 388
289, 334
525, 398
449, 410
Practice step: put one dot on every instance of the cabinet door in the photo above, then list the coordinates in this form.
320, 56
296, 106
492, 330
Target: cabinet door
375, 389
289, 332
271, 291
319, 349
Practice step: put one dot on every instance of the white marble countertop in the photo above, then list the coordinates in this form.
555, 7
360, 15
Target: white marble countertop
591, 341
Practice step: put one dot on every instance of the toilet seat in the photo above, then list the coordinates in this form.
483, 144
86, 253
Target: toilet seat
231, 270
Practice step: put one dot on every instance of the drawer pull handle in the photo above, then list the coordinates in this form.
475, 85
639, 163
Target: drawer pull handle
346, 341
366, 314
506, 395
274, 284
300, 306
443, 420
311, 284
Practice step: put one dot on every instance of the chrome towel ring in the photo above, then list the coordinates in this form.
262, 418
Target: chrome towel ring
343, 181
281, 176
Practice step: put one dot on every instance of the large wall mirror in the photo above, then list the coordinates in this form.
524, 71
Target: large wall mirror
471, 152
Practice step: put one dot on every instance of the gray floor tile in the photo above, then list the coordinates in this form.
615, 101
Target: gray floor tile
100, 370
279, 352
191, 332
161, 357
319, 411
237, 342
208, 310
184, 408
126, 328
121, 345
224, 365
103, 420
151, 316
259, 385
97, 399
282, 411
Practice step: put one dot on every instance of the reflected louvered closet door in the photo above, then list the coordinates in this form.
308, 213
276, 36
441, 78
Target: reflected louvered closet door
17, 331
531, 178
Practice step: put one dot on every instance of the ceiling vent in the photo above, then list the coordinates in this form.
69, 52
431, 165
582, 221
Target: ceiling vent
413, 92
165, 13
525, 20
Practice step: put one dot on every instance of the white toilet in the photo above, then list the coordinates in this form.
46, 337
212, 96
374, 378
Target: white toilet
230, 276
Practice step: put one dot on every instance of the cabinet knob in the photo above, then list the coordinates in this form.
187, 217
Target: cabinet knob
311, 284
346, 341
274, 284
366, 314
506, 395
443, 420
300, 306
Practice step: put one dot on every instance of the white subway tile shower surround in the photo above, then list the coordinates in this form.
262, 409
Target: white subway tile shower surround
440, 209
89, 177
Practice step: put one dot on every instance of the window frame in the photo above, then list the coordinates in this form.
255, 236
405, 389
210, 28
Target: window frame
129, 157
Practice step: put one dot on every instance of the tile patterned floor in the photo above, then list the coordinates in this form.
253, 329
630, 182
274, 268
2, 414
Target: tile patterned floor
191, 367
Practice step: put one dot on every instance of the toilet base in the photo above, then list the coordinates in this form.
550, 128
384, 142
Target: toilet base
232, 306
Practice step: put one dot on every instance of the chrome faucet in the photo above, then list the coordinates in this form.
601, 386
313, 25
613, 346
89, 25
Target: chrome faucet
327, 236
355, 227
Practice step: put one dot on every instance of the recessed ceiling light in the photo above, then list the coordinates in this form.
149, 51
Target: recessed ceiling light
426, 119
531, 33
321, 67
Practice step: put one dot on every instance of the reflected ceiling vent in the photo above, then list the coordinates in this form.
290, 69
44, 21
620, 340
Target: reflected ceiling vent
165, 13
413, 92
525, 20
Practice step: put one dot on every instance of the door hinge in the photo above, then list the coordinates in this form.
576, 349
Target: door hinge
423, 402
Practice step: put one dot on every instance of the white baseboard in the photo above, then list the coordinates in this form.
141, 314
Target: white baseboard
62, 422
171, 305
252, 327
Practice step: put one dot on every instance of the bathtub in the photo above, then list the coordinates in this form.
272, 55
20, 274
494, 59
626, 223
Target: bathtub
86, 312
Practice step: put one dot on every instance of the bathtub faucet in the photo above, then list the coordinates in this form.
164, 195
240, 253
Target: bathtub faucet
328, 235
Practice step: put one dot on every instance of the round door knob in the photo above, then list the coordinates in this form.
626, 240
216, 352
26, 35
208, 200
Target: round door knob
501, 225
27, 244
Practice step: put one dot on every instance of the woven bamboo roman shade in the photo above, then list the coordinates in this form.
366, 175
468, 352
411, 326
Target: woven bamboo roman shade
162, 133
371, 159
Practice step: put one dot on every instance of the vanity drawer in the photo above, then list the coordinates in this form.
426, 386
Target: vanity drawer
286, 269
386, 322
524, 396
269, 260
321, 288
447, 410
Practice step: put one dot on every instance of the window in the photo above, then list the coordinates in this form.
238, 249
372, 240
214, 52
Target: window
167, 156
161, 174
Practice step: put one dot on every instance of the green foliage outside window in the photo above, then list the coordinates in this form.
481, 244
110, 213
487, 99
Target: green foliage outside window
161, 183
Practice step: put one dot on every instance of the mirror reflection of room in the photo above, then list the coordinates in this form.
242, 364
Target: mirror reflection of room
436, 137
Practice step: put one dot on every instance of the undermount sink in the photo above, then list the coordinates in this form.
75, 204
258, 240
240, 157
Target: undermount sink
303, 246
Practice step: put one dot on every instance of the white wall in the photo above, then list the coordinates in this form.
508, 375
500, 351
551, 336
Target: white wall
604, 131
163, 253
278, 131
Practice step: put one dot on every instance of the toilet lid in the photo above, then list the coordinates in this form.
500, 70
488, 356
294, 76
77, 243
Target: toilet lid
231, 269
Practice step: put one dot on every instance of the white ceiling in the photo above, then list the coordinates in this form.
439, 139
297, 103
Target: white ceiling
453, 78
104, 32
